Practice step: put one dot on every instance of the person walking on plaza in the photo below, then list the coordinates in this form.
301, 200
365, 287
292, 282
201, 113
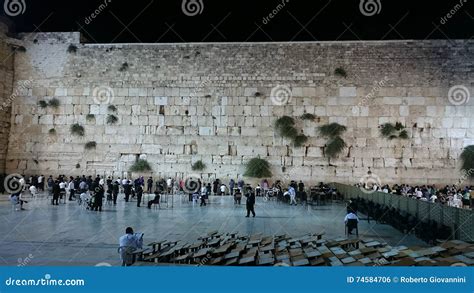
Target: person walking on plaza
98, 196
231, 186
41, 183
250, 204
71, 188
292, 192
115, 191
139, 193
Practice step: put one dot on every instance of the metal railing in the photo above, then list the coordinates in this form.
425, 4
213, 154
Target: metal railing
461, 221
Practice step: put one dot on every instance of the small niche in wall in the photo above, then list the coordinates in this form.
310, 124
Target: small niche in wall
162, 110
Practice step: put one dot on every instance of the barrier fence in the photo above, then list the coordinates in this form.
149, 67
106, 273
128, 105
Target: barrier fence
461, 221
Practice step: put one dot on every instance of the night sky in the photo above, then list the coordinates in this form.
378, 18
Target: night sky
151, 21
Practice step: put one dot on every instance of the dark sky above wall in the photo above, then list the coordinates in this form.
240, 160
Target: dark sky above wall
105, 21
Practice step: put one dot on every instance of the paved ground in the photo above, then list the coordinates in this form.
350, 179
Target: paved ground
69, 235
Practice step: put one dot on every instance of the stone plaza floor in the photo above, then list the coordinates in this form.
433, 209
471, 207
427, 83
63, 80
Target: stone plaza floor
70, 235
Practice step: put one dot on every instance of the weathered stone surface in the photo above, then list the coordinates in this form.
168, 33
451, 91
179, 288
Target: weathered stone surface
176, 110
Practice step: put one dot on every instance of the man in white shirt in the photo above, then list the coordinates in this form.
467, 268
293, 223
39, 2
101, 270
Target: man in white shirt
292, 193
41, 182
169, 184
433, 198
351, 220
129, 243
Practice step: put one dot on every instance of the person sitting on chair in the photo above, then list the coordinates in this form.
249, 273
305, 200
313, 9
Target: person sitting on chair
129, 243
156, 200
351, 220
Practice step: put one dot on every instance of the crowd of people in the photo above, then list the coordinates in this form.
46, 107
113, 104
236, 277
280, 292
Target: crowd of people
449, 195
91, 191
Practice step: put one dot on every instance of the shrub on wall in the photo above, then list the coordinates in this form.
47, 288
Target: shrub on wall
285, 126
71, 49
198, 166
300, 140
308, 116
112, 108
335, 144
467, 160
140, 166
90, 116
124, 66
340, 72
258, 168
52, 131
54, 103
42, 103
90, 145
111, 119
391, 131
77, 129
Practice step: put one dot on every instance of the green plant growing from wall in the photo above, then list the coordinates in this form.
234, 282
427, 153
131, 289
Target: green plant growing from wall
20, 49
90, 145
140, 166
78, 166
112, 108
340, 72
335, 144
77, 129
54, 103
52, 131
258, 168
198, 166
124, 66
90, 117
467, 161
43, 104
111, 119
300, 140
308, 116
285, 126
71, 49
392, 131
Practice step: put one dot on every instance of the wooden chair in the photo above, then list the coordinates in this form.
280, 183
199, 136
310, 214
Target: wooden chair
352, 224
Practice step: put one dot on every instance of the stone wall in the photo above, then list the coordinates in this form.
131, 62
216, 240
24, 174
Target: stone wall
6, 84
178, 103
